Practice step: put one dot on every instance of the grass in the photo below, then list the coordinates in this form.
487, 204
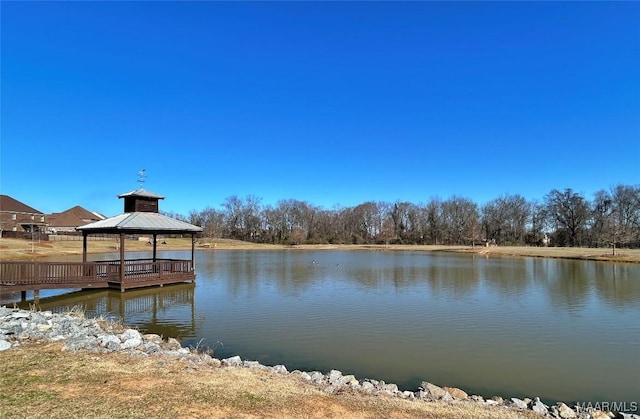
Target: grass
41, 380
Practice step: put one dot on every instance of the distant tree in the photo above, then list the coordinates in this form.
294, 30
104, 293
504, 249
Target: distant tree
616, 216
242, 217
537, 234
504, 219
569, 212
175, 215
435, 221
461, 221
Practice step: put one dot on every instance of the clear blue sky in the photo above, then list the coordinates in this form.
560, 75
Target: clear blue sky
326, 102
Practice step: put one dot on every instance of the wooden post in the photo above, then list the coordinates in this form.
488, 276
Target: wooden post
121, 261
193, 255
193, 251
155, 240
84, 246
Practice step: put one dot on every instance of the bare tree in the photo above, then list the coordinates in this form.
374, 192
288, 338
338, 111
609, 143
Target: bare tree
461, 221
504, 219
569, 212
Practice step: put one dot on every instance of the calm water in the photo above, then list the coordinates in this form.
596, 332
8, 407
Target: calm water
558, 329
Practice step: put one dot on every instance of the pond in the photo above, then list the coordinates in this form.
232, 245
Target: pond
518, 327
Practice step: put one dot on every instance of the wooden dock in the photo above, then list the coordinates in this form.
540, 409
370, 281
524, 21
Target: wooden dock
134, 273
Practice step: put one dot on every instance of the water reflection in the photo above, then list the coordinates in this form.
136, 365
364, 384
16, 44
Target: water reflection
616, 286
168, 311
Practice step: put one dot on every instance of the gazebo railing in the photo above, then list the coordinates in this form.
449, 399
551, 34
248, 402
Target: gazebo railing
51, 275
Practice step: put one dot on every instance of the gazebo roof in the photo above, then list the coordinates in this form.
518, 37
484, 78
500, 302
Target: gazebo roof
140, 222
141, 193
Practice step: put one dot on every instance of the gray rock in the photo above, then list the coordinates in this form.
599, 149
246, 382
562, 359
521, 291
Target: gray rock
317, 377
408, 395
251, 364
539, 407
4, 345
520, 404
447, 397
173, 344
131, 343
565, 411
280, 369
476, 398
233, 361
105, 339
334, 376
351, 381
304, 375
456, 393
391, 388
130, 334
432, 391
151, 348
152, 337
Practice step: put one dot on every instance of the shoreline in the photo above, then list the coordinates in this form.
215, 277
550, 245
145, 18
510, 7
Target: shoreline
79, 337
19, 250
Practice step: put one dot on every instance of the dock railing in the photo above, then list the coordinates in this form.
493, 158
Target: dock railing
22, 276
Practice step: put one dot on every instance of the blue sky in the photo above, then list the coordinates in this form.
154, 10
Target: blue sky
333, 103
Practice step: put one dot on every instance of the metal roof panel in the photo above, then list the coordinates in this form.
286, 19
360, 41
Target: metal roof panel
140, 221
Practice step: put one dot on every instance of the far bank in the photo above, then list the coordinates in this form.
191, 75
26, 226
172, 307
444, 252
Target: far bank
19, 249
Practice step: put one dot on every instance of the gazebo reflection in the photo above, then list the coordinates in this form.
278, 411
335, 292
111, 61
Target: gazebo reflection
168, 311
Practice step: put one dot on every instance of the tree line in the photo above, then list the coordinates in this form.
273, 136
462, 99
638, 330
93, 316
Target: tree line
561, 218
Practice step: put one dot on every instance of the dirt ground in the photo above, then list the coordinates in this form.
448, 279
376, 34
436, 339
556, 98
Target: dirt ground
41, 380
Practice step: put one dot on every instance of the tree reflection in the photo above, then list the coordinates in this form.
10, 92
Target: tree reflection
569, 283
615, 285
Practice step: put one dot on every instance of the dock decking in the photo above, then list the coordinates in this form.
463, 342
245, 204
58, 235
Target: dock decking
36, 276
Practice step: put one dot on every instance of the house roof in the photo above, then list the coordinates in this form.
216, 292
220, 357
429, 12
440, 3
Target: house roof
140, 222
73, 217
10, 204
85, 214
142, 193
65, 219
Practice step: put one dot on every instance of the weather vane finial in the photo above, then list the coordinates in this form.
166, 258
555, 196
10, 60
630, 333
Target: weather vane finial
141, 177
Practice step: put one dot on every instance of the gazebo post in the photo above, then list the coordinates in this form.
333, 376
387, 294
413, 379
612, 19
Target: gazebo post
84, 246
193, 250
155, 236
122, 262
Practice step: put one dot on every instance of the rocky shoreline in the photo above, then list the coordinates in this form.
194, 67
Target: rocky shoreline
76, 332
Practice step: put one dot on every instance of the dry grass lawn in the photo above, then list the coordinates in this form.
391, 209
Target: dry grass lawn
41, 380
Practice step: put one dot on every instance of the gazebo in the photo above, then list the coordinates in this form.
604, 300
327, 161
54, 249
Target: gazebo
141, 217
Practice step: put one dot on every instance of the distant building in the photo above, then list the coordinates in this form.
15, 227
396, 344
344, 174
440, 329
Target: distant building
67, 221
20, 218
